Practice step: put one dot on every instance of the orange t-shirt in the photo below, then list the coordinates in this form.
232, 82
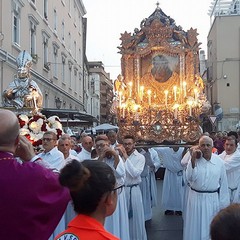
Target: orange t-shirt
84, 227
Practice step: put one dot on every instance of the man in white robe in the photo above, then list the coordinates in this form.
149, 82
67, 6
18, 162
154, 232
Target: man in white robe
206, 175
172, 194
231, 158
117, 223
134, 164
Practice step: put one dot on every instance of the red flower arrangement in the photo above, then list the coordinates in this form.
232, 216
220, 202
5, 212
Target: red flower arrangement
34, 127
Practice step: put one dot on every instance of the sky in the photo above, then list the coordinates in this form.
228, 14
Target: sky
107, 19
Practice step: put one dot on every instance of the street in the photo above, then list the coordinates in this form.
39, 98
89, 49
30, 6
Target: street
163, 227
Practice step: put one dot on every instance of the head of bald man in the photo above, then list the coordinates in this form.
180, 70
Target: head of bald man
9, 129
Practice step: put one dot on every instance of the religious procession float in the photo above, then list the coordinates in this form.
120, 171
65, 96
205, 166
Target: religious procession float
160, 93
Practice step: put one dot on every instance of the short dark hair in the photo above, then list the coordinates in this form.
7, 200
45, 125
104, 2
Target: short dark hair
233, 133
230, 138
87, 182
129, 137
101, 137
226, 224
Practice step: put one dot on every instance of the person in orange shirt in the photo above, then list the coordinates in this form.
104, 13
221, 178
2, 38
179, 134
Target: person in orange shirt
94, 195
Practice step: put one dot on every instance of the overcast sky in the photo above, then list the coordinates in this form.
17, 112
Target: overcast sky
107, 19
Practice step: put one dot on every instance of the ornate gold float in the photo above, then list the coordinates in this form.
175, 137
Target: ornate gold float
160, 94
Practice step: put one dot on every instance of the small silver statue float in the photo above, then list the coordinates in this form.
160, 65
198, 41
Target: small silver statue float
23, 92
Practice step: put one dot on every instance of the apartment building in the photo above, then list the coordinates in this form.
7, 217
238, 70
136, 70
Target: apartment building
54, 33
223, 85
102, 92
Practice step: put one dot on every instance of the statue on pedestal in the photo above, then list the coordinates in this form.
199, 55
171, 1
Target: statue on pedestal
22, 91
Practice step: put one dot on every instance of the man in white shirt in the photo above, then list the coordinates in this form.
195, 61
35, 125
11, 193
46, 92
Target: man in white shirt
87, 144
64, 146
55, 159
51, 154
231, 157
134, 164
112, 136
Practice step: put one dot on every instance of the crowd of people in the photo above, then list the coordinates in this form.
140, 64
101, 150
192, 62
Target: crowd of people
98, 188
200, 181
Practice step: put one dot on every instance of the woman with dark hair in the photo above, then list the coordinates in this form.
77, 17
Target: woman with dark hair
94, 196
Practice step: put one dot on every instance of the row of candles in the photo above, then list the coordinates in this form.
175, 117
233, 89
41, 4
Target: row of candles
190, 101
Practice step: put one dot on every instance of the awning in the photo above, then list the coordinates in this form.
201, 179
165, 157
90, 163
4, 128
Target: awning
69, 114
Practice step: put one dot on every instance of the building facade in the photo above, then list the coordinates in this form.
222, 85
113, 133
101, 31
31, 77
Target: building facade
223, 85
54, 33
101, 91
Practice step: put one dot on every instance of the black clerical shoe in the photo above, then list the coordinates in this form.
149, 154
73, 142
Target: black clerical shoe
178, 213
169, 212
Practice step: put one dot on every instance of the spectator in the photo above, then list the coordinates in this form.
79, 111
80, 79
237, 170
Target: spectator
112, 136
226, 224
55, 159
92, 185
51, 154
32, 200
87, 144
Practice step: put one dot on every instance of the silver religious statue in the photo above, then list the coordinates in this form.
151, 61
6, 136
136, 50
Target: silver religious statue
22, 91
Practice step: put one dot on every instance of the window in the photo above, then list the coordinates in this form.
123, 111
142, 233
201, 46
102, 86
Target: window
45, 9
70, 73
63, 30
70, 7
16, 29
69, 42
33, 22
46, 37
55, 60
16, 13
75, 50
55, 19
63, 68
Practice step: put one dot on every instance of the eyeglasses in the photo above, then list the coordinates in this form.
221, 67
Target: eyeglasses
118, 189
47, 139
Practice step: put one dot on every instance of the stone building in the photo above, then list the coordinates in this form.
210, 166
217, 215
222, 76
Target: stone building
54, 33
223, 86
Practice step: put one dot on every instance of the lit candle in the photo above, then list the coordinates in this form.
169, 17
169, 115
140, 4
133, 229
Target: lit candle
190, 103
123, 110
195, 94
166, 97
130, 89
175, 92
141, 92
175, 107
135, 108
184, 89
149, 97
120, 99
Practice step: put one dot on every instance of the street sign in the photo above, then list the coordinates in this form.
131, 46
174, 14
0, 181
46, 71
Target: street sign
212, 119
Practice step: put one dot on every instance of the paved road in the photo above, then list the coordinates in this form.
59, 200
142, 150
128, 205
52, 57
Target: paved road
163, 227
